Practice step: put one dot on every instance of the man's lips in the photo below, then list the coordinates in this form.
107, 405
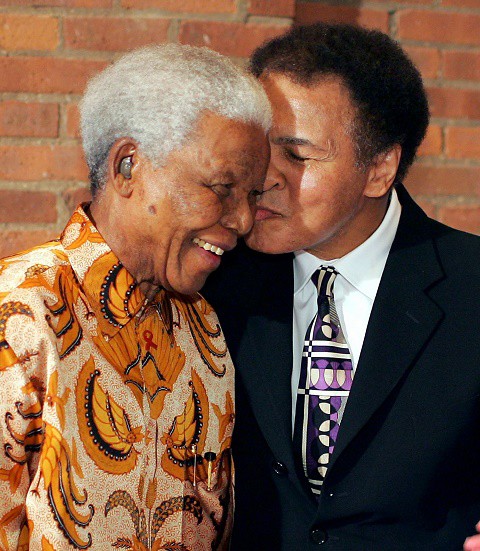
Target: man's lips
264, 213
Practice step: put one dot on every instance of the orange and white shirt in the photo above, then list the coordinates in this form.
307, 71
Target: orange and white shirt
116, 414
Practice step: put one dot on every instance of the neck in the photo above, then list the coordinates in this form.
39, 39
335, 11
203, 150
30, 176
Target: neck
112, 229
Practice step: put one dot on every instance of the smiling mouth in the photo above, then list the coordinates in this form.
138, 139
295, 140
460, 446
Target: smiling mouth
208, 246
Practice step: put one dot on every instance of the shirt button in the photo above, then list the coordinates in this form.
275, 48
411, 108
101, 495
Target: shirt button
279, 468
318, 536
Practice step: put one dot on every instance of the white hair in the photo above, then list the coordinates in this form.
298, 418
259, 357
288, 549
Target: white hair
156, 94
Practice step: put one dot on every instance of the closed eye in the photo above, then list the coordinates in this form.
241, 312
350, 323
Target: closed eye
293, 156
222, 190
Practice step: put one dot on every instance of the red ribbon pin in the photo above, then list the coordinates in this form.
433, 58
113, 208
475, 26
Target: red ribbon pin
148, 336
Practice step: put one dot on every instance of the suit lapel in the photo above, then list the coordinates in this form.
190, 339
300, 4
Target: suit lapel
267, 379
403, 319
265, 357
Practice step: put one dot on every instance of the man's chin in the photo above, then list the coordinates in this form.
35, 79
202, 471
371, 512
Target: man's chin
260, 243
188, 286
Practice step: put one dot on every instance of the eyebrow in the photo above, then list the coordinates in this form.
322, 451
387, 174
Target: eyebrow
290, 140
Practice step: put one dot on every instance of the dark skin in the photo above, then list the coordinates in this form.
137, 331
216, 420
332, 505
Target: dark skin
169, 225
316, 196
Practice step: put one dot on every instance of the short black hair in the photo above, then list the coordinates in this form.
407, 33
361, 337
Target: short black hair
385, 86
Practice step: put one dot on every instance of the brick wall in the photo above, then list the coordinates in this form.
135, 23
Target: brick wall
49, 49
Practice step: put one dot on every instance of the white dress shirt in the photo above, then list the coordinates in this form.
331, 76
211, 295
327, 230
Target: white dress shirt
355, 288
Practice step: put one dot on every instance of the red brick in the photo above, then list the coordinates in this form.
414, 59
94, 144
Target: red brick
73, 120
13, 242
279, 8
443, 180
422, 2
233, 39
461, 3
42, 162
184, 6
28, 119
454, 103
462, 217
46, 75
461, 65
113, 34
427, 60
432, 144
60, 3
33, 207
430, 26
75, 196
463, 143
312, 12
25, 32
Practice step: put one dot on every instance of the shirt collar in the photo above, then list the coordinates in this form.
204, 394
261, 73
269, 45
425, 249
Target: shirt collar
362, 267
111, 291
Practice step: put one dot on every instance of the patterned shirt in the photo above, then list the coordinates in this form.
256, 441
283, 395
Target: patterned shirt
116, 414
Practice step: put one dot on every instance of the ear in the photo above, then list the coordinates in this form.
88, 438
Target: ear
123, 147
382, 172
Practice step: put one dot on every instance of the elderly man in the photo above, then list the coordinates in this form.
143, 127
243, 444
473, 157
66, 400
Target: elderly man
357, 357
116, 387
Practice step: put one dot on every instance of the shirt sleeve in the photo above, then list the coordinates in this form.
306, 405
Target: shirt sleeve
21, 435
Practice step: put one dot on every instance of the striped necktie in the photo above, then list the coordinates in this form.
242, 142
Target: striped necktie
325, 381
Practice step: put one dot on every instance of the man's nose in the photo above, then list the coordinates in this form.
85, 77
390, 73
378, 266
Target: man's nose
240, 217
274, 179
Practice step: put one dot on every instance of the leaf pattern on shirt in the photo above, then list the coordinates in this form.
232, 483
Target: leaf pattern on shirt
25, 430
204, 333
105, 427
144, 539
57, 465
7, 310
188, 429
63, 319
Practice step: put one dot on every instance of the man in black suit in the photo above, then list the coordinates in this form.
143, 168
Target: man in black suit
404, 471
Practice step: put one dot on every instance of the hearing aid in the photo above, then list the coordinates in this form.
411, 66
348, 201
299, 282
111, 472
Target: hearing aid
125, 167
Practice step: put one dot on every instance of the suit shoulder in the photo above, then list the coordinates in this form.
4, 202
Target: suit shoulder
456, 242
458, 251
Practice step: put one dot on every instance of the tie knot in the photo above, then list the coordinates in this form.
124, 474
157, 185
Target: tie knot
323, 280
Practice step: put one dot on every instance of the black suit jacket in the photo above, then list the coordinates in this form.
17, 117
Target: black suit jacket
405, 472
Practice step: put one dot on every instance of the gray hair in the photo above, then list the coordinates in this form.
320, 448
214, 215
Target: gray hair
156, 94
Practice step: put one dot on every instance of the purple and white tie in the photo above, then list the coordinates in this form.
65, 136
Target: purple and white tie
325, 381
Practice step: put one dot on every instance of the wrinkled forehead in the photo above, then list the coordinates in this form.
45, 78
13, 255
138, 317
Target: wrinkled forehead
304, 111
239, 163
